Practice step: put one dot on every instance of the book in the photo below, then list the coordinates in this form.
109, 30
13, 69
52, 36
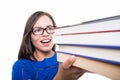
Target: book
104, 32
100, 25
95, 44
104, 54
105, 69
107, 39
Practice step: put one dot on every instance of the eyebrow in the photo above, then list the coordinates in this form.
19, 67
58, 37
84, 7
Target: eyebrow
42, 27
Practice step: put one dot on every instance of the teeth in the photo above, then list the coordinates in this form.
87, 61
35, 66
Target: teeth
45, 41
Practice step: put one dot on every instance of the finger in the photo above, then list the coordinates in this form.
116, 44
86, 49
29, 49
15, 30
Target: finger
69, 62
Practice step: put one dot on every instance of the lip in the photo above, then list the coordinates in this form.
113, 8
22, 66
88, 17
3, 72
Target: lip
45, 42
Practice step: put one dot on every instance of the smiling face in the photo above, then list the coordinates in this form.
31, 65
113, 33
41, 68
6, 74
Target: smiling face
43, 42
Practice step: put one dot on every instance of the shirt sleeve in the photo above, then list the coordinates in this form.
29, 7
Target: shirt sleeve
20, 71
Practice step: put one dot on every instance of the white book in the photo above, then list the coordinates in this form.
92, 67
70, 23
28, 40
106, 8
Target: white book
107, 25
101, 39
95, 53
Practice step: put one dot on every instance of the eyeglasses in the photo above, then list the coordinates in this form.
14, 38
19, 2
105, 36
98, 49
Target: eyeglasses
40, 31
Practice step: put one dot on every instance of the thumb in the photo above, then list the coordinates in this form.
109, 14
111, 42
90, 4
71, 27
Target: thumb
68, 63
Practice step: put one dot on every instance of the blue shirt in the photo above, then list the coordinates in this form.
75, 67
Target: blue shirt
25, 69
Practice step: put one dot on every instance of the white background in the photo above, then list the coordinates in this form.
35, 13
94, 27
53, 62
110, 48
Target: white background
14, 13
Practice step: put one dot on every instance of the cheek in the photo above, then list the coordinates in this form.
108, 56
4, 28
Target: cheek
35, 40
52, 38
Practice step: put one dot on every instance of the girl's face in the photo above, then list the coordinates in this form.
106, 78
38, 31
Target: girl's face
42, 42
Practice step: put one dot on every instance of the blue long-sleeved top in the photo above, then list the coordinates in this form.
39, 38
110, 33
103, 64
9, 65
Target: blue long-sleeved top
25, 69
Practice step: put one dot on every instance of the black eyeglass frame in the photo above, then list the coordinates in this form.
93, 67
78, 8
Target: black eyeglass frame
44, 29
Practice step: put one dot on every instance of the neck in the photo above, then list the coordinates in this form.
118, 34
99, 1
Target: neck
42, 55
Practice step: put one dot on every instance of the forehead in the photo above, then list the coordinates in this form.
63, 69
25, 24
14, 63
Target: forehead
43, 21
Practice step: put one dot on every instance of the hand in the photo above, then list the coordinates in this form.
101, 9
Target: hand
67, 71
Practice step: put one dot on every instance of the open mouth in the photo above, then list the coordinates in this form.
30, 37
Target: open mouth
45, 41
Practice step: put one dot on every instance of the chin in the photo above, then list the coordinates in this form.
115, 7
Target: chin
47, 50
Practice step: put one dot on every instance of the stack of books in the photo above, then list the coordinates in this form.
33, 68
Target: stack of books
96, 44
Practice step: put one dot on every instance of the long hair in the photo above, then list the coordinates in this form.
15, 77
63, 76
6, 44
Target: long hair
27, 49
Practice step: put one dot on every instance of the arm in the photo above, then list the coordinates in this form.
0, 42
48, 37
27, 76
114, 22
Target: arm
67, 71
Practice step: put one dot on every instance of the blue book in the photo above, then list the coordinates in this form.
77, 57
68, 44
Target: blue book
109, 54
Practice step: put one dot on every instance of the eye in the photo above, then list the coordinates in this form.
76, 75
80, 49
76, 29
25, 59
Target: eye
50, 27
37, 29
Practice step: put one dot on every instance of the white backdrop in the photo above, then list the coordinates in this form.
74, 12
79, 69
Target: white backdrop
14, 13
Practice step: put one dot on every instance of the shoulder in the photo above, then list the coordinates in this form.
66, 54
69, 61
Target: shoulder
20, 63
21, 69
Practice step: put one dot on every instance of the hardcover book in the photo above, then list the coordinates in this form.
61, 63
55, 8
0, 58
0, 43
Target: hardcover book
105, 69
104, 54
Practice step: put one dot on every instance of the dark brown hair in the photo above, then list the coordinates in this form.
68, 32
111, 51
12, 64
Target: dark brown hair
27, 49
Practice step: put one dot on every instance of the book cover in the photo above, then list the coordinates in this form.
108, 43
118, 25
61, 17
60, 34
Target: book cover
109, 55
108, 70
102, 39
109, 25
